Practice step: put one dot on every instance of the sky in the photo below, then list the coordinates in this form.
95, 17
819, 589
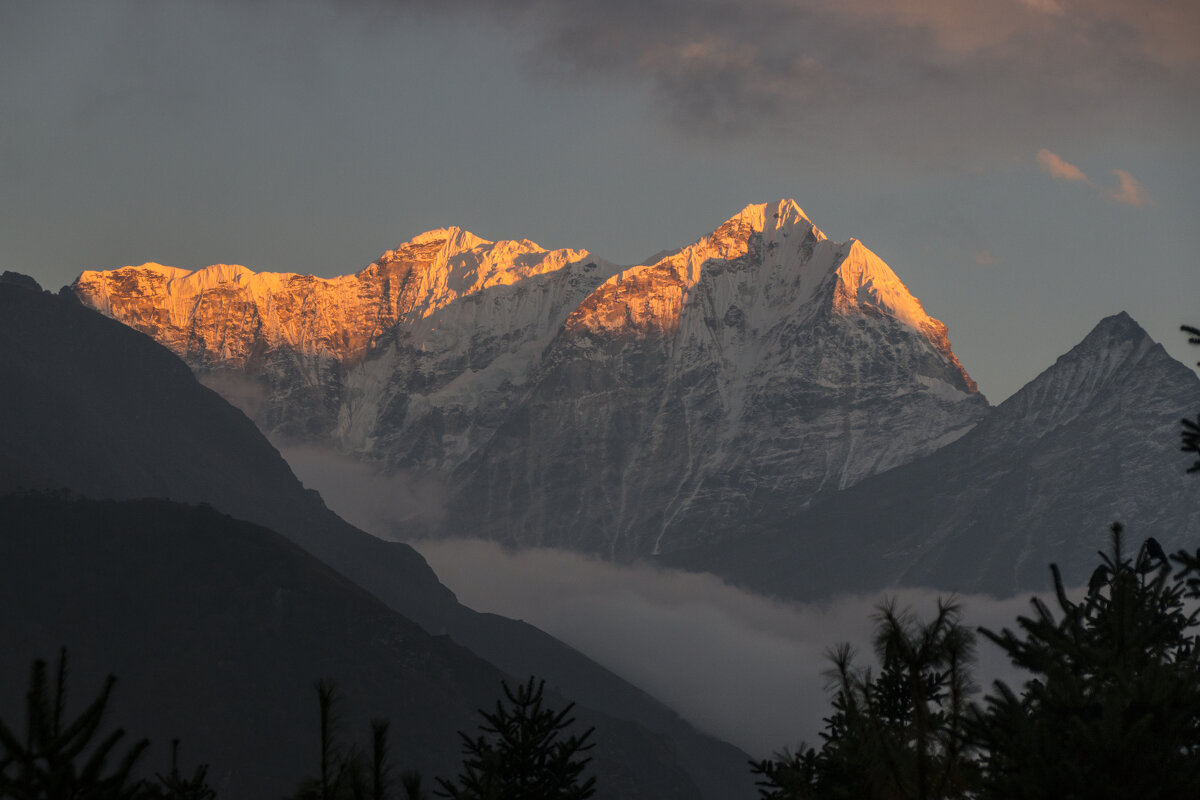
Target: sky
1025, 166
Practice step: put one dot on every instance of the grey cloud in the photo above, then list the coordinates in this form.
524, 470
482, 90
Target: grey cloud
743, 667
909, 77
388, 506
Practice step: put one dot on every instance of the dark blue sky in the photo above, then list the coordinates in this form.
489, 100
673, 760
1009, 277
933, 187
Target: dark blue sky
1025, 166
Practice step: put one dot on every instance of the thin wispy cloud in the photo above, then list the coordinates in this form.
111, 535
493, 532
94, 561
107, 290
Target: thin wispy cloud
1053, 164
1128, 191
362, 495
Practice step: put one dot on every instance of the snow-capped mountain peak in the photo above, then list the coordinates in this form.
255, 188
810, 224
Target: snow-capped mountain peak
762, 217
1086, 374
564, 399
651, 296
439, 244
866, 282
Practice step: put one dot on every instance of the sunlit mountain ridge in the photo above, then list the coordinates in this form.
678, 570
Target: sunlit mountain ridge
761, 361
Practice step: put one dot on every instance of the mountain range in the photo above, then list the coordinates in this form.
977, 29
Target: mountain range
764, 404
736, 405
557, 399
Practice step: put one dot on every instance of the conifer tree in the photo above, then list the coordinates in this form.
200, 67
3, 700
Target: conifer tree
380, 769
60, 758
898, 734
1113, 707
173, 786
524, 752
348, 772
339, 769
413, 785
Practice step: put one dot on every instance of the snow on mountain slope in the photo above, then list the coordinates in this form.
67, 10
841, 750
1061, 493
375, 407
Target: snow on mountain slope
448, 294
225, 314
698, 397
564, 400
1091, 440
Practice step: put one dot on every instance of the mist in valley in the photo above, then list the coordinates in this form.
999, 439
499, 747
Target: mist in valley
743, 667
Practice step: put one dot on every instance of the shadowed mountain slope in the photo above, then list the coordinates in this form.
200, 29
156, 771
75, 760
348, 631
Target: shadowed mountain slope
1091, 440
95, 407
216, 629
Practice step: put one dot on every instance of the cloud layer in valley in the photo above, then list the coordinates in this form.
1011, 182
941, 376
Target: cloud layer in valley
382, 504
740, 666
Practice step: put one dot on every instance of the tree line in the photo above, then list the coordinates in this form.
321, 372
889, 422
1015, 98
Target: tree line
1111, 707
524, 750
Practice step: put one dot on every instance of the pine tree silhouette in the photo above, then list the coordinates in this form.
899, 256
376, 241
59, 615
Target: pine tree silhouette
412, 783
173, 786
380, 770
349, 772
340, 771
66, 759
1113, 709
899, 734
524, 753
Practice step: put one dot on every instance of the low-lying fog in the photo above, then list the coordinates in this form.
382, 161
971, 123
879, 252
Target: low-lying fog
740, 666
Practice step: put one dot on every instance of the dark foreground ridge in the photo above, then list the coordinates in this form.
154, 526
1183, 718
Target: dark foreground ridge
95, 407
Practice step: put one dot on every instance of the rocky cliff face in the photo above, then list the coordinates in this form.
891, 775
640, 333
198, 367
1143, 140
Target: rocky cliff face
564, 400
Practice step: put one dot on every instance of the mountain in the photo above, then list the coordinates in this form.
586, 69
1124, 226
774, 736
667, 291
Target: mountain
216, 630
92, 406
695, 398
560, 400
445, 302
1091, 440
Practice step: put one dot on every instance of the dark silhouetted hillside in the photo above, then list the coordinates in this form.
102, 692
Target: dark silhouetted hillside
95, 407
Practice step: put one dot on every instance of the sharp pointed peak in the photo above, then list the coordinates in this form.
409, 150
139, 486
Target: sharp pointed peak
761, 216
1115, 345
1118, 325
1115, 331
789, 209
764, 218
456, 238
